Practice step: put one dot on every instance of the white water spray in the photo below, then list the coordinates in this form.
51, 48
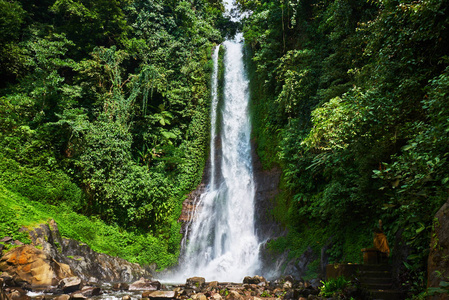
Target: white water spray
222, 244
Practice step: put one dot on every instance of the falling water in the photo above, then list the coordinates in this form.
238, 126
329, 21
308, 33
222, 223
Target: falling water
222, 244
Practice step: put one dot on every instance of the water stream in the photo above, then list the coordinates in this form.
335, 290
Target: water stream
222, 244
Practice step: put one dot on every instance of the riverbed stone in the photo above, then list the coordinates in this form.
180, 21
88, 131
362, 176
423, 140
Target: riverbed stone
234, 295
161, 295
145, 285
254, 280
212, 285
195, 282
70, 284
216, 296
15, 294
287, 285
199, 296
120, 286
90, 291
77, 296
62, 297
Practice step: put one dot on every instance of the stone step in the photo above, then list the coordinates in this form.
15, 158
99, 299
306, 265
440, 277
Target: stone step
387, 295
381, 280
375, 275
374, 267
376, 286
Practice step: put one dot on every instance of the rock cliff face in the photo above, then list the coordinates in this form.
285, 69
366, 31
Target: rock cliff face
51, 258
438, 263
29, 266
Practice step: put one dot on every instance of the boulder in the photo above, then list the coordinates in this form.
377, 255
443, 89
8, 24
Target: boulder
195, 282
77, 296
199, 296
15, 294
212, 285
291, 294
122, 286
216, 296
62, 297
7, 280
234, 295
145, 285
28, 265
70, 284
438, 264
90, 291
287, 285
126, 297
161, 295
254, 280
289, 278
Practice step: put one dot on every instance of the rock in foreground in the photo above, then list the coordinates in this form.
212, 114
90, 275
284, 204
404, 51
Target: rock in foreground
27, 265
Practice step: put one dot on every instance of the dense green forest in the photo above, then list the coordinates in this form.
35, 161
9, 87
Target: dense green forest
104, 119
104, 113
350, 99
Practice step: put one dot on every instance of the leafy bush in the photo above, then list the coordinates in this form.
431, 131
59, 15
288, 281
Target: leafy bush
334, 287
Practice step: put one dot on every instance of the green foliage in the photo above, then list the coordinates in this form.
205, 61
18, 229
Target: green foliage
104, 110
40, 184
11, 55
265, 294
442, 289
349, 98
334, 287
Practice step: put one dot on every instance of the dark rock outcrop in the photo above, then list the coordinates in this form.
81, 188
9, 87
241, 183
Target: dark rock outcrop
438, 263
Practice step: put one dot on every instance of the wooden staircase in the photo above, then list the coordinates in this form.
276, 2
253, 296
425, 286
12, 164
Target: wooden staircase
377, 280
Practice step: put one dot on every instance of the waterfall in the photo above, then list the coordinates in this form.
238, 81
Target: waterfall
222, 244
